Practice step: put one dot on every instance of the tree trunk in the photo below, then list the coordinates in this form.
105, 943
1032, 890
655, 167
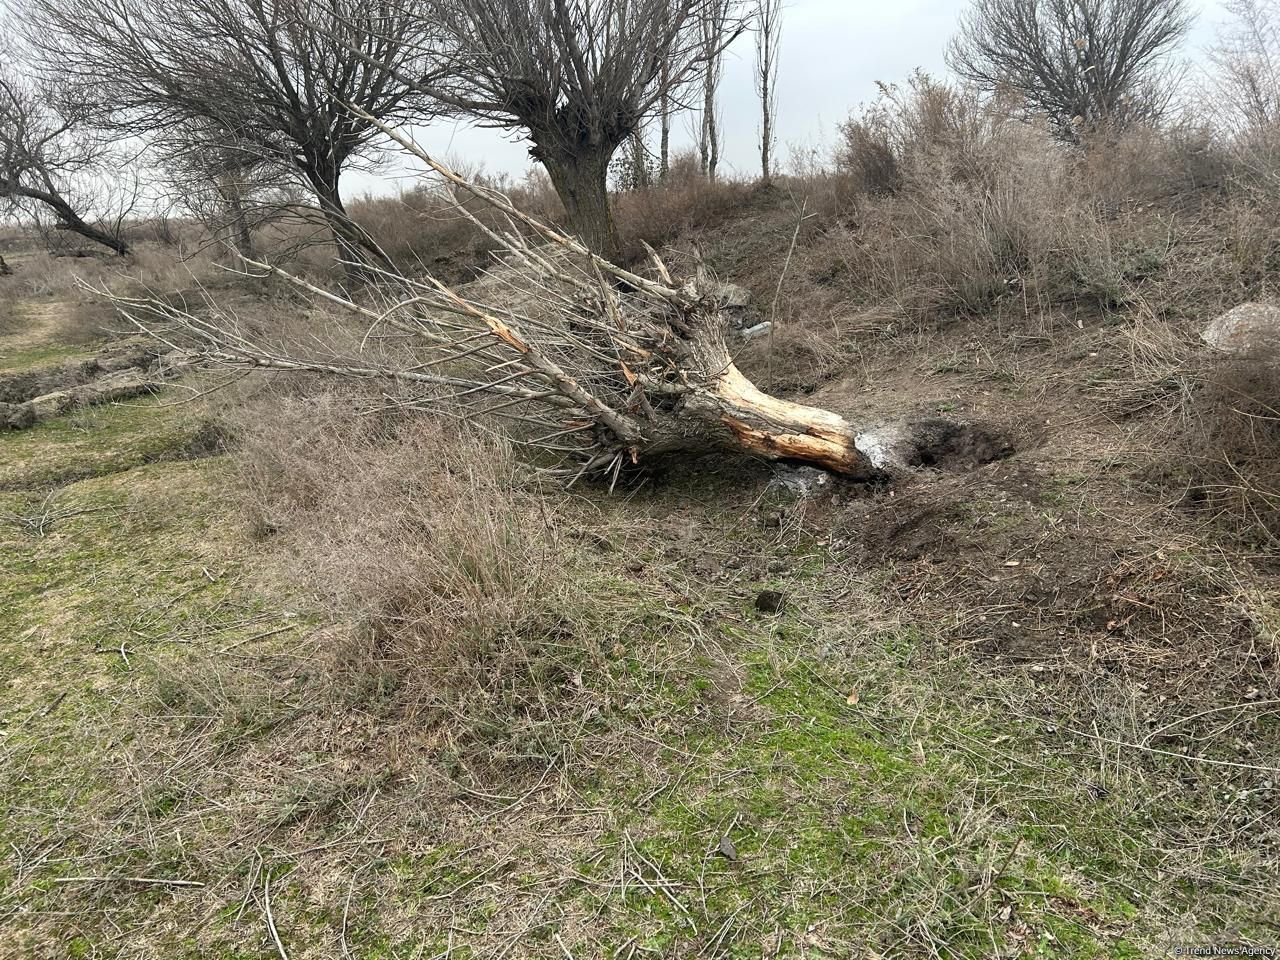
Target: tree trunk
726, 411
75, 225
582, 183
704, 147
355, 246
766, 129
713, 161
766, 174
664, 109
240, 224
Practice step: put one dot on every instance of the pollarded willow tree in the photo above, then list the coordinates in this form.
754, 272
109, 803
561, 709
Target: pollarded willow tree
577, 77
274, 80
602, 366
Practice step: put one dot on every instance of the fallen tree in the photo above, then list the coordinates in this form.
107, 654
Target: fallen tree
600, 365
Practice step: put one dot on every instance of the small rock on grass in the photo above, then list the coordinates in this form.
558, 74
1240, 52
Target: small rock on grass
727, 849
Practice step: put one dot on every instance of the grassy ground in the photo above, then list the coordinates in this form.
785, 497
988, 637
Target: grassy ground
1017, 710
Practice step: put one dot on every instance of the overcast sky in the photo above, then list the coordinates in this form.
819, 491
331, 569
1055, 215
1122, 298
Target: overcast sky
833, 52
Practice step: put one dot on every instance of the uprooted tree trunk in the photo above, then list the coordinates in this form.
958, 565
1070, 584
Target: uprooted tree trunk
600, 365
27, 399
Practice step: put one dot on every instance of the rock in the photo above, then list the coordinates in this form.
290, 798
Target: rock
770, 601
1244, 328
884, 446
51, 405
933, 442
16, 416
4, 268
801, 482
732, 296
759, 330
727, 849
735, 303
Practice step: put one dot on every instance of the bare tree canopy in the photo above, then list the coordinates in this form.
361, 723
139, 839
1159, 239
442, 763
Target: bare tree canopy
226, 187
274, 78
577, 77
1085, 64
1247, 55
49, 158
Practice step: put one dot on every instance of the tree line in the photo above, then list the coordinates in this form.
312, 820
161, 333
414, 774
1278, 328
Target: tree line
248, 105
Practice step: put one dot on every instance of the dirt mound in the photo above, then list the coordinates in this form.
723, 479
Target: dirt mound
31, 397
995, 560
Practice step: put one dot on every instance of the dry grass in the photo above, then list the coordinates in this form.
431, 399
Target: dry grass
1227, 450
421, 229
465, 561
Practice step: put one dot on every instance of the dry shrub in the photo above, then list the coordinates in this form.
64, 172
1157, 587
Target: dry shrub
458, 595
685, 203
954, 202
945, 244
422, 228
166, 231
914, 133
1144, 165
1227, 451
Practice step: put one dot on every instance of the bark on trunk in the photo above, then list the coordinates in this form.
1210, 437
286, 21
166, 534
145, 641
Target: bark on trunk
766, 137
74, 224
240, 225
582, 183
354, 245
726, 411
664, 109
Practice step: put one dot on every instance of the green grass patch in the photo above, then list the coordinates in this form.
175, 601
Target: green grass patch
102, 440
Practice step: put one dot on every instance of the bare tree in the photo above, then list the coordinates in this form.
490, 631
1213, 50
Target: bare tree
1247, 58
276, 77
51, 159
603, 366
714, 27
577, 77
1085, 64
665, 107
222, 186
768, 19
